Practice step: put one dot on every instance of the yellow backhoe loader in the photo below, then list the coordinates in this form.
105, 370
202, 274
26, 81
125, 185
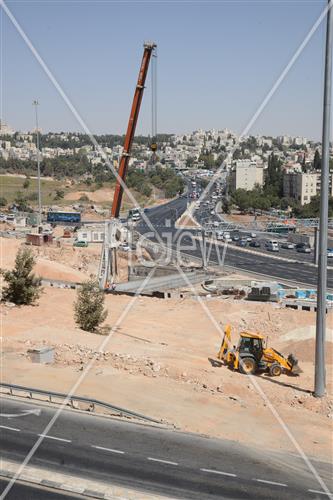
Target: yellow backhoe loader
251, 356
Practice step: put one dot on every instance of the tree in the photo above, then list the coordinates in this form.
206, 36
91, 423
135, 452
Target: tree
23, 286
3, 201
317, 161
60, 193
26, 184
89, 307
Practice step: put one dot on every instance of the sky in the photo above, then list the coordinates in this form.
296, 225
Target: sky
217, 60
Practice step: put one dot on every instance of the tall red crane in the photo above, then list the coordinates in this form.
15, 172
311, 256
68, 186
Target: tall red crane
123, 165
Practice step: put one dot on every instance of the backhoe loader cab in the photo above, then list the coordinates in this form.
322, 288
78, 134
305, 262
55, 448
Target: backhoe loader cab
252, 355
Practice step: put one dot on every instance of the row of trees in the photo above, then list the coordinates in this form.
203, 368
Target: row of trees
163, 178
23, 287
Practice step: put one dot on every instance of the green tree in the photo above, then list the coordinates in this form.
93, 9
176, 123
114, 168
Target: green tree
26, 184
317, 161
89, 309
23, 287
59, 194
3, 201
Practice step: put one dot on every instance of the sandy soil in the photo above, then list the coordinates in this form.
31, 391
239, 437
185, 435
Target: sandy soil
103, 195
160, 361
65, 262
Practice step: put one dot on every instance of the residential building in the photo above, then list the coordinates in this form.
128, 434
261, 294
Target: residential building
247, 174
303, 186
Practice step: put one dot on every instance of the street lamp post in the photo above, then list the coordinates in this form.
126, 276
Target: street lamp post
35, 104
320, 372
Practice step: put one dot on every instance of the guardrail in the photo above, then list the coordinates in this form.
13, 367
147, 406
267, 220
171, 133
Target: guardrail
70, 400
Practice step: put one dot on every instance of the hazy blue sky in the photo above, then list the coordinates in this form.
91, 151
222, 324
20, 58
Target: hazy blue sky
216, 62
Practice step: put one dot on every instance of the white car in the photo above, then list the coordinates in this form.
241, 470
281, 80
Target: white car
288, 245
330, 253
253, 235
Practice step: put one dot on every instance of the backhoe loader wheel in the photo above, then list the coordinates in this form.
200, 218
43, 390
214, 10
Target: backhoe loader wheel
275, 370
248, 366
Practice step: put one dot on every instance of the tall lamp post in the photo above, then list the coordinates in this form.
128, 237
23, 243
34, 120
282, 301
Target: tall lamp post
35, 104
320, 372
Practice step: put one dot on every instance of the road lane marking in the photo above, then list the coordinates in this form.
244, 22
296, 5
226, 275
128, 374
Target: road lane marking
319, 492
55, 438
112, 450
219, 472
270, 482
10, 428
162, 461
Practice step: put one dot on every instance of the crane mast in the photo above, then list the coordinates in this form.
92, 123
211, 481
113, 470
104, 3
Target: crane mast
123, 165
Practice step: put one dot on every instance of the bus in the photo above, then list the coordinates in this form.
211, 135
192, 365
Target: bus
67, 217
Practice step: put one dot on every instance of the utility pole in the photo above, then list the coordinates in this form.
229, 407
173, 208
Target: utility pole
320, 371
35, 104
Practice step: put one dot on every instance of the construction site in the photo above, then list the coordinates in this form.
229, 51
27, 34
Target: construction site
204, 347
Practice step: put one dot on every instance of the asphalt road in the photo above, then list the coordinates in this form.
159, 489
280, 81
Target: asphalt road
155, 459
163, 218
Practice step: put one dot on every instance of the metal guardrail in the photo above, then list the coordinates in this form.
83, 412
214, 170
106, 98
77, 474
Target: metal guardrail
80, 399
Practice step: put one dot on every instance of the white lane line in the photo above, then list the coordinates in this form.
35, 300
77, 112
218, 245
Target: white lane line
10, 428
55, 438
219, 472
162, 461
319, 492
270, 482
107, 449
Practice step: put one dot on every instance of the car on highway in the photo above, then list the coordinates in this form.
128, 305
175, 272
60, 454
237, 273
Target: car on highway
255, 244
241, 243
303, 248
287, 245
330, 253
272, 246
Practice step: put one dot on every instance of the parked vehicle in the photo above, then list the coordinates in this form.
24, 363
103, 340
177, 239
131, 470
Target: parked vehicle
235, 237
63, 217
241, 243
80, 243
330, 253
272, 246
287, 245
253, 235
255, 243
227, 237
303, 248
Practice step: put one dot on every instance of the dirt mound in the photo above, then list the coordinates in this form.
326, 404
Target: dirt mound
304, 350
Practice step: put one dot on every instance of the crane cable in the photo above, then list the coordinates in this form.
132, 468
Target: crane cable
153, 145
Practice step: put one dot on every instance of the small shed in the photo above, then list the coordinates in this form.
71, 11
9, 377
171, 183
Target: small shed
38, 239
41, 354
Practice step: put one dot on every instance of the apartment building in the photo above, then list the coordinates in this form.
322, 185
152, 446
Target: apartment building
246, 174
303, 186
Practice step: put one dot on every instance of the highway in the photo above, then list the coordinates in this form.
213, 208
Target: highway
163, 218
153, 459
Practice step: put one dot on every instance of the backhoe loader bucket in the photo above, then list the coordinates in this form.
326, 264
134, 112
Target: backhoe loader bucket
295, 369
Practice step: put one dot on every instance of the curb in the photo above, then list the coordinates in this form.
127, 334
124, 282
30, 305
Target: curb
72, 484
